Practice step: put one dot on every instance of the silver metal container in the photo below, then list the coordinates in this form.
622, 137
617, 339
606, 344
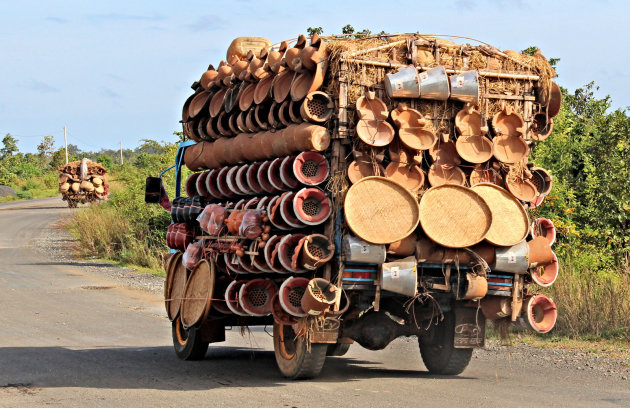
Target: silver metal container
513, 259
357, 250
465, 87
400, 276
434, 84
403, 84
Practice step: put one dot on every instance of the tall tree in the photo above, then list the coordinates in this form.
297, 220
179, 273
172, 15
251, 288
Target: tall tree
9, 146
46, 147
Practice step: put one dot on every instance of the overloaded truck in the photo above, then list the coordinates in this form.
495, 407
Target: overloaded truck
350, 189
83, 181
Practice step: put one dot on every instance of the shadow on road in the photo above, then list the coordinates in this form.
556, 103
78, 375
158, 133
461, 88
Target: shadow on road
159, 368
72, 263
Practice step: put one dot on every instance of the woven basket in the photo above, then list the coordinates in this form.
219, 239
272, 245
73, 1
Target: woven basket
381, 211
198, 294
454, 216
177, 286
509, 219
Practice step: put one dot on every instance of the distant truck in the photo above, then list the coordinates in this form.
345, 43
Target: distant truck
83, 181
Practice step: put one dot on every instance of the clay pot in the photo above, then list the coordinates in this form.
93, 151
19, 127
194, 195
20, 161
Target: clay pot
404, 247
232, 122
523, 190
440, 174
239, 67
294, 111
281, 87
542, 180
239, 144
316, 251
320, 294
308, 81
246, 98
250, 121
233, 222
317, 107
480, 174
307, 136
555, 100
224, 72
313, 54
263, 89
409, 176
252, 148
469, 122
284, 113
279, 143
401, 154
294, 53
273, 117
216, 103
198, 103
207, 78
474, 149
223, 124
359, 169
445, 152
412, 129
508, 123
375, 132
275, 57
542, 126
261, 115
510, 149
369, 106
540, 252
212, 128
193, 157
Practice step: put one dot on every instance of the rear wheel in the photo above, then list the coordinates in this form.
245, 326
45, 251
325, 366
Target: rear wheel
188, 343
337, 350
294, 359
438, 351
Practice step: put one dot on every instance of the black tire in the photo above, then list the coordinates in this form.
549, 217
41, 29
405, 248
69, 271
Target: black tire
188, 344
337, 350
293, 359
439, 353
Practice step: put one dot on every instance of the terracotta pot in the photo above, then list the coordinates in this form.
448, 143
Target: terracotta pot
263, 178
440, 174
261, 115
275, 57
281, 87
508, 123
212, 129
474, 149
312, 206
250, 121
317, 107
280, 143
211, 184
223, 124
198, 103
316, 251
286, 172
294, 111
320, 294
369, 106
266, 150
524, 190
241, 46
193, 156
294, 53
307, 136
284, 113
313, 54
224, 72
216, 103
359, 169
207, 78
374, 132
273, 117
540, 252
480, 174
555, 100
404, 247
542, 126
308, 81
263, 89
510, 149
310, 168
401, 154
469, 122
287, 211
445, 152
409, 176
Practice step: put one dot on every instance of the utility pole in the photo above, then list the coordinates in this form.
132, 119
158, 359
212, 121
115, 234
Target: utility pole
121, 156
65, 141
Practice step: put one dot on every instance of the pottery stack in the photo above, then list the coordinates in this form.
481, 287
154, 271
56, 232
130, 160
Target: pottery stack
83, 177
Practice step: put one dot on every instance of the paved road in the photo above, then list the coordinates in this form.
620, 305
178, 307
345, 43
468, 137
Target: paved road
71, 337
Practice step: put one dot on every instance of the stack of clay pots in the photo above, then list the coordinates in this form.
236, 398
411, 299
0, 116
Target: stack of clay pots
83, 177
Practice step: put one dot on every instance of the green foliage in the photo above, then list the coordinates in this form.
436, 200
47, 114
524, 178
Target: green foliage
314, 30
347, 29
46, 147
106, 160
533, 50
9, 147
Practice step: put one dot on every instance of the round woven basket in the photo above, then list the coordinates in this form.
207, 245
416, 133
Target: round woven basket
510, 222
176, 292
454, 216
169, 268
198, 294
380, 210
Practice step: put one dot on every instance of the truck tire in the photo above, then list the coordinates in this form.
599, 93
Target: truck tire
439, 353
337, 350
188, 344
294, 359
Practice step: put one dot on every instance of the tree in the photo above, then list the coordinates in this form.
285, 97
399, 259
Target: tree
314, 30
10, 146
347, 29
46, 147
106, 160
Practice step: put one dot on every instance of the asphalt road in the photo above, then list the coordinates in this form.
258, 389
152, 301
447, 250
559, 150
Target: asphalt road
72, 337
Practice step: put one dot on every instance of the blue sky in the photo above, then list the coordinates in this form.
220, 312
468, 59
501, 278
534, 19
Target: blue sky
113, 70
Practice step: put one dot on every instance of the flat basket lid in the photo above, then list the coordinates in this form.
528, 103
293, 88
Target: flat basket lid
198, 294
509, 218
454, 216
177, 286
380, 210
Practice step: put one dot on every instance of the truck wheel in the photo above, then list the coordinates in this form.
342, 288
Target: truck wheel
188, 344
337, 350
292, 356
439, 353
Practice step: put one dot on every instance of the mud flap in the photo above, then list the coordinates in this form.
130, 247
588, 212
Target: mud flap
325, 330
470, 327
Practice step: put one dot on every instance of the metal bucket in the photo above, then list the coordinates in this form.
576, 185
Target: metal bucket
358, 250
403, 84
434, 84
400, 276
513, 259
465, 87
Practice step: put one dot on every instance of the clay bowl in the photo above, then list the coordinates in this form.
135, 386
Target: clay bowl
474, 149
417, 138
246, 98
555, 100
263, 89
232, 122
284, 114
446, 174
273, 117
469, 122
198, 103
508, 123
223, 124
312, 54
409, 176
404, 116
542, 179
371, 107
250, 122
294, 111
207, 78
523, 190
281, 87
275, 57
445, 153
359, 169
308, 81
542, 126
375, 132
510, 149
261, 115
240, 122
216, 104
482, 175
